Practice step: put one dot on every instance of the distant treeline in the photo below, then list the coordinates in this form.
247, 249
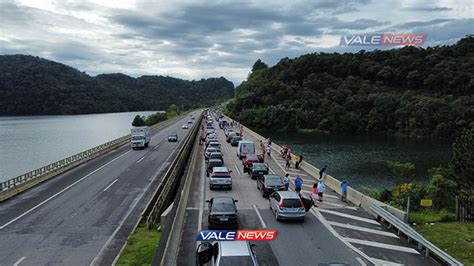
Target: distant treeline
35, 86
409, 91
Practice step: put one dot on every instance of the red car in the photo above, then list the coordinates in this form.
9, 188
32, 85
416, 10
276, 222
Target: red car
249, 160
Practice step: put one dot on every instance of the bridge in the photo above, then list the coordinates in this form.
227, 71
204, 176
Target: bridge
85, 214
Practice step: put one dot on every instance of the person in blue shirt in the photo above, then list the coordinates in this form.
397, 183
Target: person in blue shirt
298, 184
344, 190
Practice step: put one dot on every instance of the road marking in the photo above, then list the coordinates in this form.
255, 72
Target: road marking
385, 262
191, 208
361, 261
381, 245
321, 218
271, 170
228, 150
110, 184
363, 229
353, 217
19, 261
237, 169
156, 146
201, 200
141, 159
60, 192
259, 216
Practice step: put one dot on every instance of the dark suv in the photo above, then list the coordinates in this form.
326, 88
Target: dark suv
268, 184
258, 170
222, 213
249, 160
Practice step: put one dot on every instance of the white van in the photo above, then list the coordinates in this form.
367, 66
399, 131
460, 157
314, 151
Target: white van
245, 147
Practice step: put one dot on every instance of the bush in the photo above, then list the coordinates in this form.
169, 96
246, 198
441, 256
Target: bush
431, 216
371, 192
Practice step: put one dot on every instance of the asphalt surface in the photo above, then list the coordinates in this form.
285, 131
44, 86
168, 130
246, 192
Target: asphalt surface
84, 216
333, 232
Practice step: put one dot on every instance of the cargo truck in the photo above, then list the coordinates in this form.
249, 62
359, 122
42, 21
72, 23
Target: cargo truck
140, 137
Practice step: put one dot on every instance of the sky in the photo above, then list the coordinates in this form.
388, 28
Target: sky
202, 39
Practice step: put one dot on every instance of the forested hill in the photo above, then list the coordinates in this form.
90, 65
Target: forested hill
35, 86
407, 91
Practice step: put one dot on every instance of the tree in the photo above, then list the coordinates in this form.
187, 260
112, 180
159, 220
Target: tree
401, 170
462, 163
138, 121
259, 64
173, 108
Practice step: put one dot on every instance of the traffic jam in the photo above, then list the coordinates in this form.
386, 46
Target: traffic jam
217, 241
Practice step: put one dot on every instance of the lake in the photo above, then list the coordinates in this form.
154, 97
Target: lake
30, 142
362, 160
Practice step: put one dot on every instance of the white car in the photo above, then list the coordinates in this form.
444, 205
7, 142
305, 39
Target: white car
184, 126
226, 253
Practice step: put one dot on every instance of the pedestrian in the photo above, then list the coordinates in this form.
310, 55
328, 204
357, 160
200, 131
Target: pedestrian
298, 184
314, 194
286, 181
269, 150
344, 190
269, 142
322, 171
299, 159
321, 188
288, 164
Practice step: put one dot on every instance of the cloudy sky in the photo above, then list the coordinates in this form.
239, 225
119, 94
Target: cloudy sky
200, 39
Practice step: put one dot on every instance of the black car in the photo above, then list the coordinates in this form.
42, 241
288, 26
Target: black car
268, 184
213, 163
222, 213
234, 141
173, 138
258, 170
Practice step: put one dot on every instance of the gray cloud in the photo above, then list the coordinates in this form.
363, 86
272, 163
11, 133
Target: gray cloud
426, 9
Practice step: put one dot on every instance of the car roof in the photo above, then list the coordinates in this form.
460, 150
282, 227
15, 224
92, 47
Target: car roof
288, 194
216, 153
223, 199
215, 161
252, 156
234, 248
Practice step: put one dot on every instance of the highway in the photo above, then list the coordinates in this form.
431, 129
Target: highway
85, 215
332, 232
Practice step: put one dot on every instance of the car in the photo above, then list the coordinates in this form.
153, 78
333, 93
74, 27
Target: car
287, 205
216, 155
220, 179
190, 121
208, 152
234, 141
213, 144
258, 170
193, 118
226, 253
268, 184
173, 138
210, 131
229, 130
222, 213
184, 126
249, 160
211, 163
231, 135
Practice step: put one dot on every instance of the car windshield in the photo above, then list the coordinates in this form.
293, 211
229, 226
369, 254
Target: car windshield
236, 260
273, 181
259, 167
292, 203
223, 205
137, 138
210, 150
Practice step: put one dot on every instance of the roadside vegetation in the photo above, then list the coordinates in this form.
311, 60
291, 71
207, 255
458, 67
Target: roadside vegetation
140, 247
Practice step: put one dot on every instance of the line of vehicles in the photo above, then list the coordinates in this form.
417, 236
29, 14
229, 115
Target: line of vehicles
286, 205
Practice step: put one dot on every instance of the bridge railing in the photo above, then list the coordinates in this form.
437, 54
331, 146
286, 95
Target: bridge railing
24, 181
412, 235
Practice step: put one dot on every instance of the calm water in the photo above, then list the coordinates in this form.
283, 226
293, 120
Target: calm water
30, 142
362, 159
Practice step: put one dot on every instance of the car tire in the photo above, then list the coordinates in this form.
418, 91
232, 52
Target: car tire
211, 187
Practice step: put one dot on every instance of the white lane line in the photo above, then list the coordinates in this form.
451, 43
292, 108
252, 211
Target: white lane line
191, 208
141, 159
271, 170
353, 217
363, 229
381, 245
259, 216
386, 262
19, 261
321, 218
105, 189
201, 200
60, 192
237, 169
228, 150
362, 263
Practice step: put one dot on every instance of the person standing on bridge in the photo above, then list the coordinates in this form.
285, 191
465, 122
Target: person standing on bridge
269, 150
286, 181
314, 194
344, 191
321, 188
288, 161
322, 171
298, 184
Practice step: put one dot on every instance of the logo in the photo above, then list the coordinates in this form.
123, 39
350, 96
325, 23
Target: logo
238, 235
393, 39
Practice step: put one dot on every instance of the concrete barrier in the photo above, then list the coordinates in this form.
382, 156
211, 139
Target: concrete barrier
354, 196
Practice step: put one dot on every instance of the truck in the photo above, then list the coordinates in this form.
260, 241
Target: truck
140, 137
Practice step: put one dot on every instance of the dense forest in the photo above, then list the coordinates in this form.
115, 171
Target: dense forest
409, 91
35, 86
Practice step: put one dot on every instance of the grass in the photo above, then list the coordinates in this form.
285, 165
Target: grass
428, 216
140, 247
456, 238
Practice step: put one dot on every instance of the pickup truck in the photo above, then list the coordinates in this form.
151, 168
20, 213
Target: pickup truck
249, 160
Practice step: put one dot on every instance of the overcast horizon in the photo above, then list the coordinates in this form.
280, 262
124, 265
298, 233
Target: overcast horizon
202, 39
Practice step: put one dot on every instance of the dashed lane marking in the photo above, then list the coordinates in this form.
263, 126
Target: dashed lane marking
19, 261
364, 229
237, 169
105, 189
381, 245
353, 217
141, 159
259, 216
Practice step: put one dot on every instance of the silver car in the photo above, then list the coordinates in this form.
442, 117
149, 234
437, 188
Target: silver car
220, 178
226, 253
287, 205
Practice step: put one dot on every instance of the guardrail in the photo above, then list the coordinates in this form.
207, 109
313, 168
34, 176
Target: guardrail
412, 235
22, 182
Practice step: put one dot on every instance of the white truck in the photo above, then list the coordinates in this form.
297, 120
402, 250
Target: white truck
140, 137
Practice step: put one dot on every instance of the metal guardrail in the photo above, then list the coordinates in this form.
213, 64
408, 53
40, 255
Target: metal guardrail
51, 168
412, 235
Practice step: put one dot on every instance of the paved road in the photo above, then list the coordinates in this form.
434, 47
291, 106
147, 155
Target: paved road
84, 215
332, 232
